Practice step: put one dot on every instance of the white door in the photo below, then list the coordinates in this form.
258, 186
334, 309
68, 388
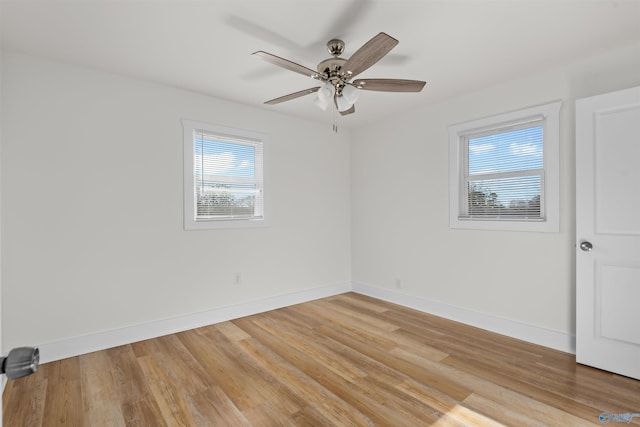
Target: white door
608, 232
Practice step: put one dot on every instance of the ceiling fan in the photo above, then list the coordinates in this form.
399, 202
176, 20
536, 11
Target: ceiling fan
336, 74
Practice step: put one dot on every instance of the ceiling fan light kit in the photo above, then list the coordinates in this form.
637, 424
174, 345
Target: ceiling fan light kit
348, 97
350, 93
325, 95
336, 74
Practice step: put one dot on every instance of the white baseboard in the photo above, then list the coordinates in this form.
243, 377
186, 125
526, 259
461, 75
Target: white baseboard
511, 328
100, 341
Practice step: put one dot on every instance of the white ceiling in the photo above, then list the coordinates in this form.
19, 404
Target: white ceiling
206, 46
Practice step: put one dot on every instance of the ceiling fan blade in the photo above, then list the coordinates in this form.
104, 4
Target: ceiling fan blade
389, 85
370, 53
292, 96
349, 111
285, 63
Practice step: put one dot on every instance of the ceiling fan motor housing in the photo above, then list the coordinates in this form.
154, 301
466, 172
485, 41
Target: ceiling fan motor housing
331, 67
330, 70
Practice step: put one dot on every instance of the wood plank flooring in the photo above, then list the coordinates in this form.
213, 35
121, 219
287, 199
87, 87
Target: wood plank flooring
347, 360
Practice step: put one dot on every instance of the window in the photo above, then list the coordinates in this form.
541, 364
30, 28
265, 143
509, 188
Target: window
504, 171
223, 177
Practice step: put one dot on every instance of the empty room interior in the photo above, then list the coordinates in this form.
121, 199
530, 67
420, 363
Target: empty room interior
309, 213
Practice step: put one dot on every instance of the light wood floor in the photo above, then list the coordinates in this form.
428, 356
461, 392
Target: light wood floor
347, 360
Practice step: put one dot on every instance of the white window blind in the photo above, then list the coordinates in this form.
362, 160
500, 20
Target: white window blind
504, 173
227, 177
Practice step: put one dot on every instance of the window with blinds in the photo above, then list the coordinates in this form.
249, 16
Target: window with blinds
224, 169
504, 171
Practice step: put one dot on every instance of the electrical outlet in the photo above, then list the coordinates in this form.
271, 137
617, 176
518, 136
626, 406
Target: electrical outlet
237, 278
398, 284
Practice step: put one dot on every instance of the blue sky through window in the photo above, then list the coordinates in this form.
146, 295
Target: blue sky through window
223, 158
507, 151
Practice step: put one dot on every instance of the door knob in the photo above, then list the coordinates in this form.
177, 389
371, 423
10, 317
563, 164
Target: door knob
586, 246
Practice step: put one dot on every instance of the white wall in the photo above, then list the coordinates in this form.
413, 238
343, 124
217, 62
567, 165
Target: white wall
92, 237
92, 206
400, 204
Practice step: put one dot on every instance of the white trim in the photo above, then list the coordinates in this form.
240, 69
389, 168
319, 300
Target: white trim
511, 328
100, 341
71, 347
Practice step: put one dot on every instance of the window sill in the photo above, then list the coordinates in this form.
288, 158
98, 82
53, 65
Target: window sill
218, 224
506, 224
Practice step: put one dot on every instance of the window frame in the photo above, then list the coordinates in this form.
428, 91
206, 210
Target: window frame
226, 134
547, 115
